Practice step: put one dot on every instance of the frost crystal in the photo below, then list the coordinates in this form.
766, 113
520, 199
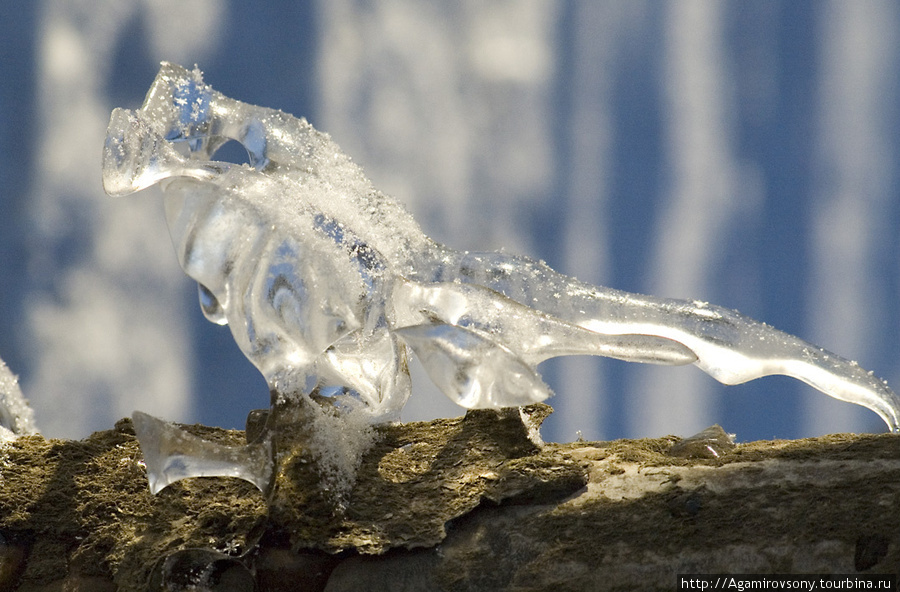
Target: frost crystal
327, 284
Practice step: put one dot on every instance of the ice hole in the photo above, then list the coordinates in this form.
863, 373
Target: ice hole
232, 151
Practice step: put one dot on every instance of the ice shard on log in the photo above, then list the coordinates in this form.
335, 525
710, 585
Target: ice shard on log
16, 417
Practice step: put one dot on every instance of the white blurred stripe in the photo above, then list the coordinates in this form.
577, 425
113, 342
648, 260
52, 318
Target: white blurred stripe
602, 32
110, 332
447, 107
696, 212
850, 211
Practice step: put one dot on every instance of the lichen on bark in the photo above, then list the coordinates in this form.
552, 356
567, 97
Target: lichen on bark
473, 503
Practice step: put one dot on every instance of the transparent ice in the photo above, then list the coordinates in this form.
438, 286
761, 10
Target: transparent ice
16, 417
327, 284
170, 455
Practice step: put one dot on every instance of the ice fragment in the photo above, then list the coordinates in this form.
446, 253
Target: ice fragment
327, 284
172, 453
200, 570
16, 417
712, 442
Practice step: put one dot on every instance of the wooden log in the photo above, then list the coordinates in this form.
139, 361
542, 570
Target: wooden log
474, 503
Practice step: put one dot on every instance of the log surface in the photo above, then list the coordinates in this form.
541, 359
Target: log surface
475, 503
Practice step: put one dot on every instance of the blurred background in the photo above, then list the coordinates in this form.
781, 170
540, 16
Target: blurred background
740, 153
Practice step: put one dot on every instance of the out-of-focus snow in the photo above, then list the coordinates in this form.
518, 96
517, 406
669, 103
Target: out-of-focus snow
106, 320
704, 198
856, 192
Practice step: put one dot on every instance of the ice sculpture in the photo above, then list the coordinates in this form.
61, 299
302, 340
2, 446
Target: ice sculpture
16, 417
327, 284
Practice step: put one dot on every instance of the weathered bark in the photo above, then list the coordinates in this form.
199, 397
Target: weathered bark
462, 504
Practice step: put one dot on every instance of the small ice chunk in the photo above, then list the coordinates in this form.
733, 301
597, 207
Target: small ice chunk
16, 416
6, 435
200, 570
171, 453
712, 442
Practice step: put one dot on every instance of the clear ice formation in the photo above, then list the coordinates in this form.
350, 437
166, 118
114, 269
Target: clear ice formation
16, 417
170, 455
327, 284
